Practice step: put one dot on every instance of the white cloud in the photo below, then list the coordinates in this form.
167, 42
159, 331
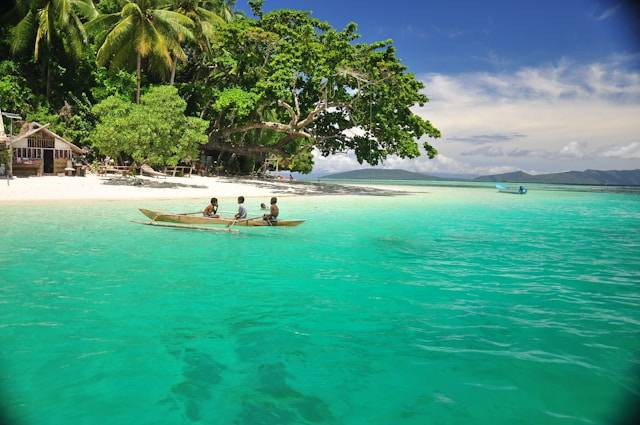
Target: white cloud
440, 164
573, 150
544, 118
608, 12
629, 151
550, 118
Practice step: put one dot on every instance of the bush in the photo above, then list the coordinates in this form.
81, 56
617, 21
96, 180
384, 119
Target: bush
155, 131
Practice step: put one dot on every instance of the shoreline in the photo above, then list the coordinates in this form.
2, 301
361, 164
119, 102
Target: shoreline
116, 188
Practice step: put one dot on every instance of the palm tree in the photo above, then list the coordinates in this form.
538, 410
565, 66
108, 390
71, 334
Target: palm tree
47, 24
225, 9
201, 12
141, 30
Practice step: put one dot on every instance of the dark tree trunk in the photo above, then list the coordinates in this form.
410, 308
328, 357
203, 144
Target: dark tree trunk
173, 69
138, 65
48, 80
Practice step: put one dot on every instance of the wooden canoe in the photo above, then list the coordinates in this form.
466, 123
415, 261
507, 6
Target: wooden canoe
191, 219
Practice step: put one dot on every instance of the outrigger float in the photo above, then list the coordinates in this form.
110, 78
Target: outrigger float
187, 221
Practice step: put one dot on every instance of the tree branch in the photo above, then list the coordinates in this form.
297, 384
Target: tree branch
275, 126
294, 116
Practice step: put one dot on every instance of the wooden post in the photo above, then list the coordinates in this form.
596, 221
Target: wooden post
10, 162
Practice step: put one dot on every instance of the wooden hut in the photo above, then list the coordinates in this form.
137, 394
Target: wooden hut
38, 151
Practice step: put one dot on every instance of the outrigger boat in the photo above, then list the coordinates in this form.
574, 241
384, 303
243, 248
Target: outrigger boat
514, 191
189, 219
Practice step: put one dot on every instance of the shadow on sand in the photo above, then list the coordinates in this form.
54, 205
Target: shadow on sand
313, 188
278, 187
155, 184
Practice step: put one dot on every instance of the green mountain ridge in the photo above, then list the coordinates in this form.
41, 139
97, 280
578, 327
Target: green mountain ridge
587, 177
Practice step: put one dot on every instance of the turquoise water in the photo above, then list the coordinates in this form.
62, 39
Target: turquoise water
454, 306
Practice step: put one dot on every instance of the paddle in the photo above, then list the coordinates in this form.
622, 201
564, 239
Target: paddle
243, 219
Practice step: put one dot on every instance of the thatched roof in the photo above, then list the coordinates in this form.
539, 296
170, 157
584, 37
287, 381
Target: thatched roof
30, 128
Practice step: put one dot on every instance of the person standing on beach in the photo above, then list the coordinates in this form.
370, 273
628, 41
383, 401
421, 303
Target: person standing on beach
212, 209
242, 211
272, 217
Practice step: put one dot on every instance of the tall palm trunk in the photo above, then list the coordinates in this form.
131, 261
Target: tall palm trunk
138, 78
173, 68
48, 80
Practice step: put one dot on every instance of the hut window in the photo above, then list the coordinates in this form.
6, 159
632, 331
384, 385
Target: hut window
40, 143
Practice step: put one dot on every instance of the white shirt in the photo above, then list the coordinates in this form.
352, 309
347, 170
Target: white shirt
242, 211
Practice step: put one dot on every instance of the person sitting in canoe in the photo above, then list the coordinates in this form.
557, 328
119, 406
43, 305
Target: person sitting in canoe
272, 217
212, 209
242, 211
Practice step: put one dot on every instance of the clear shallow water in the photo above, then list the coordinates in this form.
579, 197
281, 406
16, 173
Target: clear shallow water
455, 307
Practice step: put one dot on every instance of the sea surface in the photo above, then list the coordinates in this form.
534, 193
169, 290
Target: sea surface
455, 305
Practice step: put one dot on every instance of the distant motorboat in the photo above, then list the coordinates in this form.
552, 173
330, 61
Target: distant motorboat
521, 190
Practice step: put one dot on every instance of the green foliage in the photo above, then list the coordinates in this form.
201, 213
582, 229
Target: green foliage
256, 7
15, 94
284, 84
4, 156
155, 131
74, 121
51, 24
113, 83
44, 116
236, 99
109, 6
142, 29
305, 85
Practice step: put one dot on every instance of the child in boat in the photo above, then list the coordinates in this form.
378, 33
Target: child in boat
272, 217
212, 209
242, 211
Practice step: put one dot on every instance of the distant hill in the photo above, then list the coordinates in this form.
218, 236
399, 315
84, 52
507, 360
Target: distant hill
380, 174
587, 177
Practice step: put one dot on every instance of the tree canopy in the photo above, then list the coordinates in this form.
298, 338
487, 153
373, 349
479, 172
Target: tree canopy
156, 131
289, 83
281, 84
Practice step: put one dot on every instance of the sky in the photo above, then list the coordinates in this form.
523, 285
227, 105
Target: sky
540, 86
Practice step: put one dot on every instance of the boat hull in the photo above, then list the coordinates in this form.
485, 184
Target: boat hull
188, 219
513, 191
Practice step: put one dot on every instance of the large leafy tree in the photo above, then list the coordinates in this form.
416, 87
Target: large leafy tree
47, 27
288, 83
142, 30
155, 131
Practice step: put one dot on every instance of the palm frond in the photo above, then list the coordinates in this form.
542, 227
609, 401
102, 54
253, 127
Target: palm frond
209, 16
61, 10
102, 24
22, 35
120, 37
159, 45
178, 21
85, 8
42, 31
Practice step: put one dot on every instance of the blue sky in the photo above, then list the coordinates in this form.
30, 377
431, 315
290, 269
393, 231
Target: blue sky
459, 36
540, 86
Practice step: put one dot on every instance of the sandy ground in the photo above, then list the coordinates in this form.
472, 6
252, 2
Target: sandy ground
119, 188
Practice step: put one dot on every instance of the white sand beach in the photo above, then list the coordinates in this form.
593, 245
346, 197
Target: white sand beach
91, 187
